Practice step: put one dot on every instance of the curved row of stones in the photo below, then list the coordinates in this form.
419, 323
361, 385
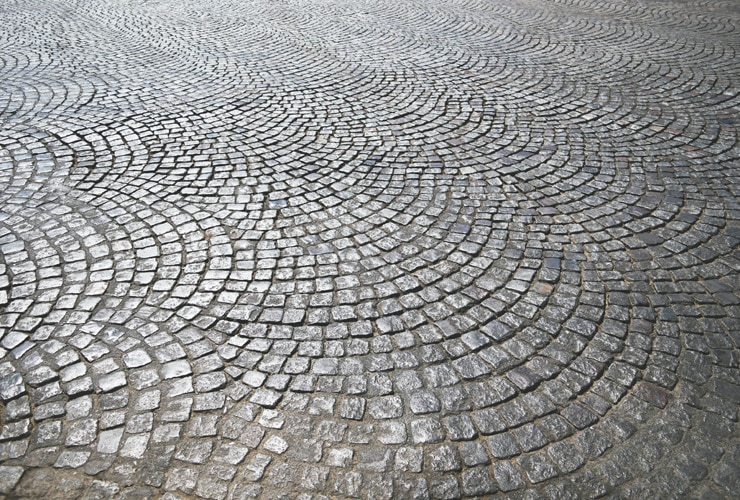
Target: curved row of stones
379, 250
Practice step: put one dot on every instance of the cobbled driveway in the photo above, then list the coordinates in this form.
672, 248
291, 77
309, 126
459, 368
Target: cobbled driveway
369, 248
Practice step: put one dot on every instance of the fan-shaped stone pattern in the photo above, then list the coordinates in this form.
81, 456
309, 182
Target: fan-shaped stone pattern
425, 249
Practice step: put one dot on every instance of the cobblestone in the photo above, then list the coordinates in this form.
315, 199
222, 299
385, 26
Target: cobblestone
421, 249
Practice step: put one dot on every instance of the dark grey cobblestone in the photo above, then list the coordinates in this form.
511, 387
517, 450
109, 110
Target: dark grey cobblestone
423, 249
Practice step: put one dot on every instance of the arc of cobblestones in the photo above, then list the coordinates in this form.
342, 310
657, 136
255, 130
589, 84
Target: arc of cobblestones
368, 249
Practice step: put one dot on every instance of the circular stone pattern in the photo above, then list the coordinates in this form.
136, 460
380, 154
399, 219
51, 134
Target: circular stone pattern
420, 249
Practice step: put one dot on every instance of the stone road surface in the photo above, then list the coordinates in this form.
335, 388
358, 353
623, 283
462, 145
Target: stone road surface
369, 248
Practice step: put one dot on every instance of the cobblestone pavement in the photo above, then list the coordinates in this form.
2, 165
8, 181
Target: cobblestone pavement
375, 249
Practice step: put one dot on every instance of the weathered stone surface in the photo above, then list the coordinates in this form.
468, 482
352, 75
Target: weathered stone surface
418, 249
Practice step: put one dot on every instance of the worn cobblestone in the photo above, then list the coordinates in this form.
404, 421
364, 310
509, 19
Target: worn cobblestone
419, 249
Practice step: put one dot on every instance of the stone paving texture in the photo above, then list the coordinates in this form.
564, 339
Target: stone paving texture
377, 249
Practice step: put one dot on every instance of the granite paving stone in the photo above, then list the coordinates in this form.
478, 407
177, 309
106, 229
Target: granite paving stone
423, 249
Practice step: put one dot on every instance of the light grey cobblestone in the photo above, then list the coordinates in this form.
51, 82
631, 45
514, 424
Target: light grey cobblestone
420, 249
